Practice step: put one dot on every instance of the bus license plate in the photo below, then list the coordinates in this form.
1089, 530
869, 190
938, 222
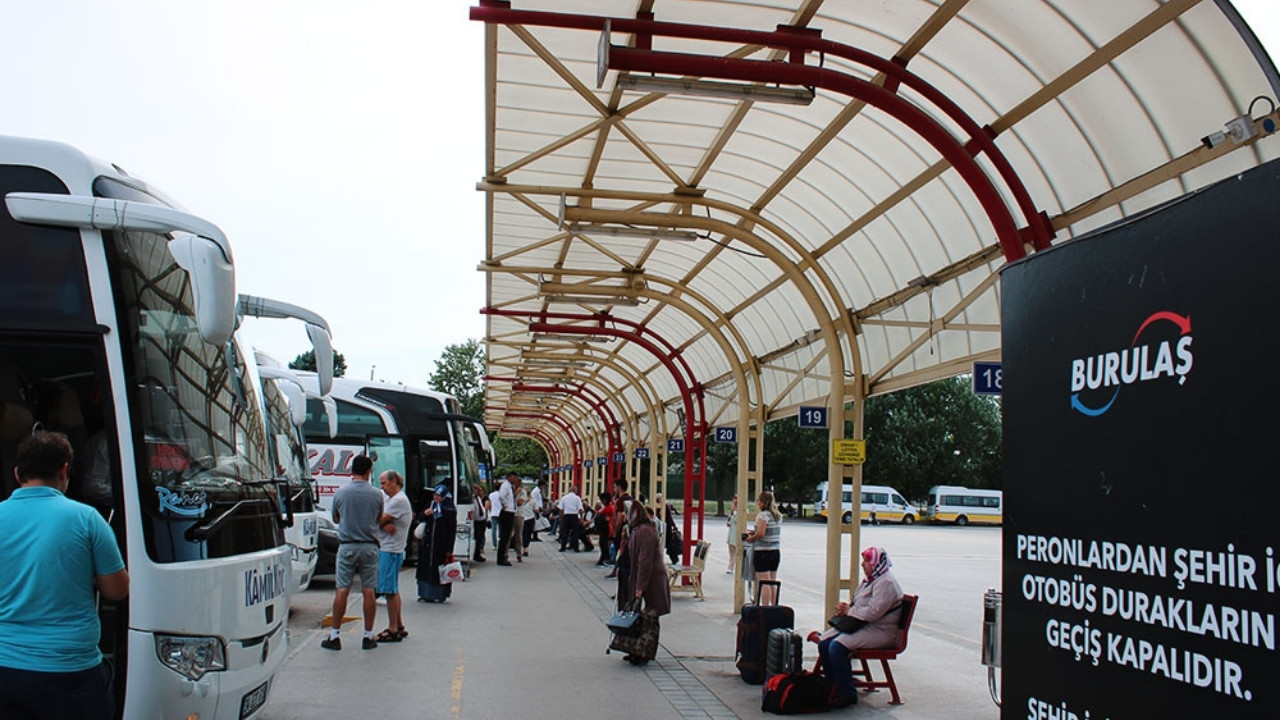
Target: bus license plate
253, 700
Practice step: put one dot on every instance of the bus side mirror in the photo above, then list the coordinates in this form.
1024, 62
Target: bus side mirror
213, 285
323, 345
197, 245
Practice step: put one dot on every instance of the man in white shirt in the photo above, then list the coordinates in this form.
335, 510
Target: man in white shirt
506, 517
570, 517
393, 537
495, 508
535, 499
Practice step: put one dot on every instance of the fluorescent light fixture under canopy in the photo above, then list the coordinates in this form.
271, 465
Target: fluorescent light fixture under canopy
590, 300
629, 231
570, 337
710, 88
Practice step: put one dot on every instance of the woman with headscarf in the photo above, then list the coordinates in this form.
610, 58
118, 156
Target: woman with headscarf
439, 529
876, 607
648, 581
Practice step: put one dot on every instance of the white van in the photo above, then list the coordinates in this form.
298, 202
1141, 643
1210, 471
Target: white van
880, 504
961, 505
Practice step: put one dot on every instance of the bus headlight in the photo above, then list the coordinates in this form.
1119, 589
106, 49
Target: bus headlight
191, 657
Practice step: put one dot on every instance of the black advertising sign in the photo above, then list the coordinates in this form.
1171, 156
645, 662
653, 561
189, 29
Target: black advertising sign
1141, 396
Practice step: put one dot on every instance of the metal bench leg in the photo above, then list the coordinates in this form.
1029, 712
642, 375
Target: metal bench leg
893, 686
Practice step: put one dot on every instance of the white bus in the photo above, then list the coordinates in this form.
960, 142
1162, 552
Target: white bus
418, 433
117, 313
286, 411
285, 406
962, 505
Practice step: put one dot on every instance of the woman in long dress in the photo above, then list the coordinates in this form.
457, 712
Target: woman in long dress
649, 582
439, 529
876, 607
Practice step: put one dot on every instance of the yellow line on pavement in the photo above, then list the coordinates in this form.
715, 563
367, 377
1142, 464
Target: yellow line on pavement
455, 686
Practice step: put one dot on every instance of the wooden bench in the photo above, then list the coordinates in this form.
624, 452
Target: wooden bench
862, 678
692, 571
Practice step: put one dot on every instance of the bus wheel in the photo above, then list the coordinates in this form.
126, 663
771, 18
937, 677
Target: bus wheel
846, 518
962, 520
908, 519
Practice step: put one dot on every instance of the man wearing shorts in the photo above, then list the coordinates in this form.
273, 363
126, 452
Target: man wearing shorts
393, 534
357, 507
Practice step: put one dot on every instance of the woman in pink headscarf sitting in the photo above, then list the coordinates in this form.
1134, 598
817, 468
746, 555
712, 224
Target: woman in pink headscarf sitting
877, 605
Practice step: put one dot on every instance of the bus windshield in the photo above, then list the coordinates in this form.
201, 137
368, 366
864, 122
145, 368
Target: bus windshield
199, 430
287, 447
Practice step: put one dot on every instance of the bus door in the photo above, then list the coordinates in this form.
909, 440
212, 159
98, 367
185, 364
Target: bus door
438, 468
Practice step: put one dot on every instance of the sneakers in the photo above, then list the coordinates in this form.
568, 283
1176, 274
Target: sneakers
479, 559
331, 643
368, 644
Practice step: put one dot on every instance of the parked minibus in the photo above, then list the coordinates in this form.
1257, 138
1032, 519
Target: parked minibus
962, 505
880, 504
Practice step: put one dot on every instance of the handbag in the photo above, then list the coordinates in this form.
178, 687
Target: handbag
541, 524
626, 621
449, 572
846, 623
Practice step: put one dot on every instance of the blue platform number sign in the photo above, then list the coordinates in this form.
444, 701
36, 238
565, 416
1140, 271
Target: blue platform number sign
988, 378
600, 462
642, 453
619, 457
675, 445
726, 434
587, 463
813, 417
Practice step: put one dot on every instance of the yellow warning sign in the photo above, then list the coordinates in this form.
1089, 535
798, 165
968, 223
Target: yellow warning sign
848, 452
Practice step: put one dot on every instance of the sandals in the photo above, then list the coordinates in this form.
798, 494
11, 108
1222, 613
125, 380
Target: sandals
403, 633
389, 635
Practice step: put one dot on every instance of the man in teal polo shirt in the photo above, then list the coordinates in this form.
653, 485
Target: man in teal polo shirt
54, 553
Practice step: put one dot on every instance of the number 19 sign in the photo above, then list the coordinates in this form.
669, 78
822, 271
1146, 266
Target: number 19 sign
813, 417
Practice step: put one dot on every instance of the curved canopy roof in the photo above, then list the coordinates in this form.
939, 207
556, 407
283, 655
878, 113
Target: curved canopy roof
939, 139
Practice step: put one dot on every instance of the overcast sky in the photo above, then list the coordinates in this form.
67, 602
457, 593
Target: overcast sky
336, 143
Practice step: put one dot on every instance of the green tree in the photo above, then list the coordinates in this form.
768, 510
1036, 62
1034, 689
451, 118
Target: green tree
722, 474
518, 455
307, 361
934, 434
795, 459
459, 372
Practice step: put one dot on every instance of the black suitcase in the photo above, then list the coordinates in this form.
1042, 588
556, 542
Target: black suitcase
785, 654
753, 633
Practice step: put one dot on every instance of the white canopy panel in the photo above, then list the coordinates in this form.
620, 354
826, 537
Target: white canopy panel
837, 213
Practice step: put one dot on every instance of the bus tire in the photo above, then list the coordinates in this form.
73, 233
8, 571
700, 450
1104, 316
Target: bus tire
908, 519
962, 520
846, 518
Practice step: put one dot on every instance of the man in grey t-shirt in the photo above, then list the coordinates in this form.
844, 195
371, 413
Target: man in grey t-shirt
357, 507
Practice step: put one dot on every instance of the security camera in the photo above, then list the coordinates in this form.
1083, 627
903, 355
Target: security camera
1213, 140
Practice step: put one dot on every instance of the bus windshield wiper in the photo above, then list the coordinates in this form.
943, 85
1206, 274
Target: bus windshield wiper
199, 533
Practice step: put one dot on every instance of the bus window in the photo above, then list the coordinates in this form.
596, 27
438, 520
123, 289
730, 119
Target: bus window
388, 453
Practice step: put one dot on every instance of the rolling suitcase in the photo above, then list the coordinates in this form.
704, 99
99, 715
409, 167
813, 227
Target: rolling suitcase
753, 633
785, 653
